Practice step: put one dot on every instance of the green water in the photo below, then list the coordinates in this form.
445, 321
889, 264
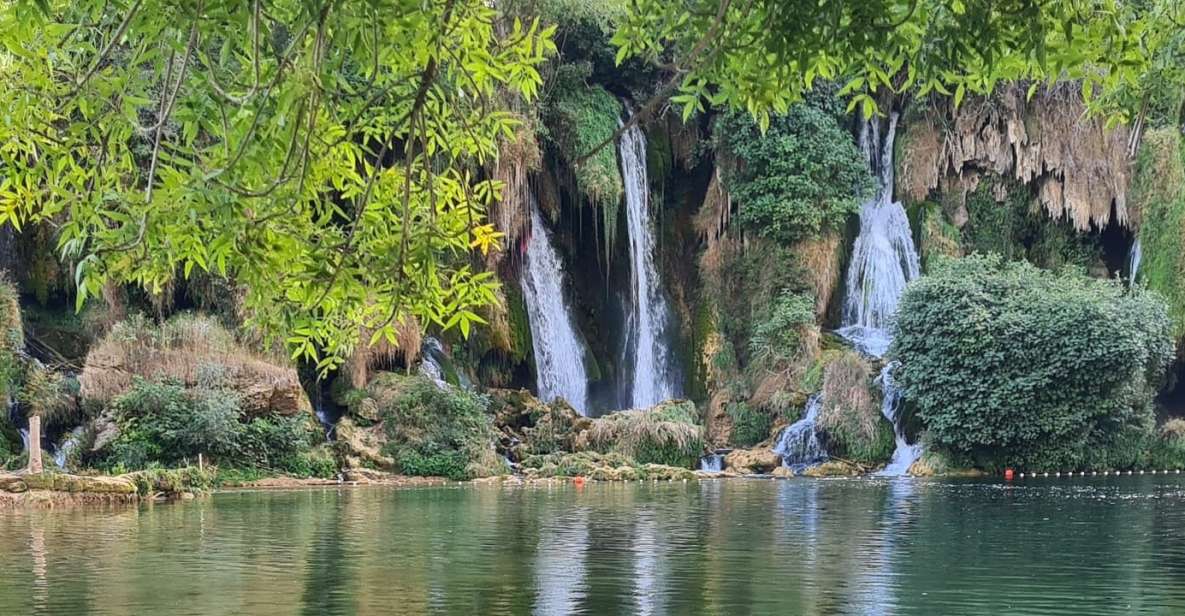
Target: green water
1105, 546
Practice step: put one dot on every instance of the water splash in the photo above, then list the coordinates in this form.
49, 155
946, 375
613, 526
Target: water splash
799, 443
654, 376
559, 354
905, 453
884, 260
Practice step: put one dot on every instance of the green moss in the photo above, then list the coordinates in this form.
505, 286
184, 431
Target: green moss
659, 160
937, 237
520, 324
1158, 192
1017, 228
749, 425
580, 117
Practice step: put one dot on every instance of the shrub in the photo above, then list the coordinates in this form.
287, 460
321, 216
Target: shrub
851, 413
1018, 366
801, 176
12, 340
438, 432
749, 425
53, 397
779, 334
1168, 450
163, 423
667, 434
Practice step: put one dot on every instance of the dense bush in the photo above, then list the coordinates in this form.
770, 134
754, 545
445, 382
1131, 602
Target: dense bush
1168, 449
437, 432
1020, 366
851, 414
749, 425
804, 174
667, 434
778, 332
163, 423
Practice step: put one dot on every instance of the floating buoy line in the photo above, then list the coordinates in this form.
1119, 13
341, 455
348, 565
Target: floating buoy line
1009, 473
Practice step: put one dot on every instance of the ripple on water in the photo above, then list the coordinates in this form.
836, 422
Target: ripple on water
1080, 546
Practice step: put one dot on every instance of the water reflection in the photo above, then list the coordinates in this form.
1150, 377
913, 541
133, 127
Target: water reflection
899, 547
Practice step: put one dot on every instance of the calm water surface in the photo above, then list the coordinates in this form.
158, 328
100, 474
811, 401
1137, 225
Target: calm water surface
1106, 546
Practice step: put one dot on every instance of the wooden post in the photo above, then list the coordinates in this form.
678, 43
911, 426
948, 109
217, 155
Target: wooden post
201, 466
35, 444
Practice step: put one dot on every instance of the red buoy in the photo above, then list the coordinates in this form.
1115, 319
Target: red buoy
579, 481
1008, 474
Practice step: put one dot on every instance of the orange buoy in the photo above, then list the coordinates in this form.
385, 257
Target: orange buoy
1008, 474
579, 481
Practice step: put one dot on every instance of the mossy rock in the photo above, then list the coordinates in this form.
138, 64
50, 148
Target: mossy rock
832, 468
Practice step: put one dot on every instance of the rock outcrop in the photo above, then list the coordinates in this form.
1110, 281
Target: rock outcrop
1076, 166
189, 349
759, 460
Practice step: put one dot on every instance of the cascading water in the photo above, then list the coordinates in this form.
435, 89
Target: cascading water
559, 354
61, 454
431, 361
799, 443
884, 260
1133, 261
654, 378
712, 463
904, 454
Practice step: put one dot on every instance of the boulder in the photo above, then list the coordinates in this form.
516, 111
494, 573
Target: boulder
362, 447
752, 461
782, 472
833, 468
12, 483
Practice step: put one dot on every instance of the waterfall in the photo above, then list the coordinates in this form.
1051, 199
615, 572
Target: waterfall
432, 361
653, 377
904, 454
712, 463
559, 354
884, 260
61, 454
799, 443
1133, 261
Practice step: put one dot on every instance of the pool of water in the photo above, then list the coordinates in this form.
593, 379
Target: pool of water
871, 546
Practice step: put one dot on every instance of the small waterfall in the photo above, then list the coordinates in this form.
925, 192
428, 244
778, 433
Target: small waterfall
905, 454
432, 361
61, 454
648, 324
24, 438
559, 354
324, 417
884, 260
799, 443
1133, 261
712, 463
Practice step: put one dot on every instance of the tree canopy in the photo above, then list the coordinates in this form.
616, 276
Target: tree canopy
328, 155
325, 155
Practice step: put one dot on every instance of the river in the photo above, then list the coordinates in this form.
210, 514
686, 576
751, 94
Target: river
1111, 545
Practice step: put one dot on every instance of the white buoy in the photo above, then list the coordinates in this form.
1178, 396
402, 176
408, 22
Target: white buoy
1046, 474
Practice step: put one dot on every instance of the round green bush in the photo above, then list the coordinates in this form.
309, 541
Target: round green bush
1014, 365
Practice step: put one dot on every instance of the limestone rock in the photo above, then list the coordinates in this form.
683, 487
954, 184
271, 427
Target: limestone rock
185, 349
12, 483
782, 472
752, 461
361, 447
832, 468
